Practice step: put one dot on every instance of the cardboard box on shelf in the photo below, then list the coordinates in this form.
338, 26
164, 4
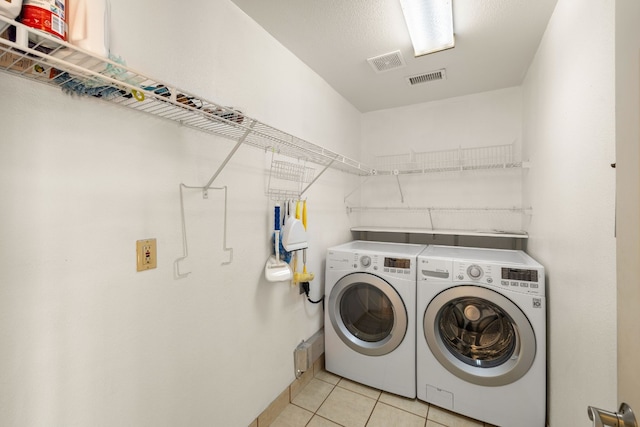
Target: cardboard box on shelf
9, 60
17, 60
26, 66
14, 62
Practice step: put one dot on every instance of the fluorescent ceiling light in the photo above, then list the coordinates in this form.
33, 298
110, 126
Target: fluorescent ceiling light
430, 24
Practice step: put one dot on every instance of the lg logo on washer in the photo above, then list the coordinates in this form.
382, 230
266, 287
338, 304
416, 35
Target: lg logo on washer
435, 269
337, 261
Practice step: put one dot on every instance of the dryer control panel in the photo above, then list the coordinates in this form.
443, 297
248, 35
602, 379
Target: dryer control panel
398, 266
375, 263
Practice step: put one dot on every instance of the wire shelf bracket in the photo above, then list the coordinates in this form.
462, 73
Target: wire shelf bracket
205, 190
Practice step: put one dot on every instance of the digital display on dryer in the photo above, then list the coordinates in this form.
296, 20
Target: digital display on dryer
519, 274
397, 262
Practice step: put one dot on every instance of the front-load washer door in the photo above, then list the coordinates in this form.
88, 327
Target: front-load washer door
479, 335
368, 314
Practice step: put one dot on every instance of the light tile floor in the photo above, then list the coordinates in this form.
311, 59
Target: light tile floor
331, 401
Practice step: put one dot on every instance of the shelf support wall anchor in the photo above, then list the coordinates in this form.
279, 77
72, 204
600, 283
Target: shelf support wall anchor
244, 136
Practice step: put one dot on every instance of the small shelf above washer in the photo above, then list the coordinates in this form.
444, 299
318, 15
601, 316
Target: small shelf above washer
511, 222
470, 238
408, 230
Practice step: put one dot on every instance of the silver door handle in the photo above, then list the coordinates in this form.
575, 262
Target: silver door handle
623, 418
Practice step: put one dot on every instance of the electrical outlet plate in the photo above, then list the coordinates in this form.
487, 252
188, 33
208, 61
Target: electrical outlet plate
146, 254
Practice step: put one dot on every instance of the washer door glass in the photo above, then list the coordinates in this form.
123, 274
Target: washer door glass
477, 331
479, 335
368, 314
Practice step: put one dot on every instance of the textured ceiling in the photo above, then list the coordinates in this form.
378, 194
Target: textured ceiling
495, 43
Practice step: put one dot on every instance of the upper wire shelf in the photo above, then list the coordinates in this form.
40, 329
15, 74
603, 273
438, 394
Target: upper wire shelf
460, 159
78, 72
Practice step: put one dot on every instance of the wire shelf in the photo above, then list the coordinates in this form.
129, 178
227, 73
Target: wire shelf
460, 159
56, 63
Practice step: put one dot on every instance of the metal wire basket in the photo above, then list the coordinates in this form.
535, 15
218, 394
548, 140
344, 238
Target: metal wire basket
287, 179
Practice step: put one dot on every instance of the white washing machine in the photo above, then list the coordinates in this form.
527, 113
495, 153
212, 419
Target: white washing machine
481, 337
370, 319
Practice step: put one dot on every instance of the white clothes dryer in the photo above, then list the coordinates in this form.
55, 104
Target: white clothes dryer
481, 335
370, 319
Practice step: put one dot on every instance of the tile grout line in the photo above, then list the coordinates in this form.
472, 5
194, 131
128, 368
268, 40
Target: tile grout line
315, 412
377, 400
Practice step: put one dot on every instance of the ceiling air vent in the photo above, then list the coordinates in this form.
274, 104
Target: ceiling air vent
386, 62
429, 77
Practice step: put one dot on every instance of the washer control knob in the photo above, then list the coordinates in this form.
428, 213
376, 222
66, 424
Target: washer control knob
474, 272
365, 261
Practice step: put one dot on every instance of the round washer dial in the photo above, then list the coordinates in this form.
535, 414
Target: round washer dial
474, 271
365, 261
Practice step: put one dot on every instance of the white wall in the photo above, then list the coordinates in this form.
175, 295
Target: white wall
86, 340
473, 121
569, 136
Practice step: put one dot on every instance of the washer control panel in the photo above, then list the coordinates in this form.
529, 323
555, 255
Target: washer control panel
516, 279
475, 272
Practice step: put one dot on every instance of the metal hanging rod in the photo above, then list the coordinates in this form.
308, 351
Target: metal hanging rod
185, 243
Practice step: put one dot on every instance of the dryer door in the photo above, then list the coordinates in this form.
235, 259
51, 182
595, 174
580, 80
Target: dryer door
367, 314
479, 335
